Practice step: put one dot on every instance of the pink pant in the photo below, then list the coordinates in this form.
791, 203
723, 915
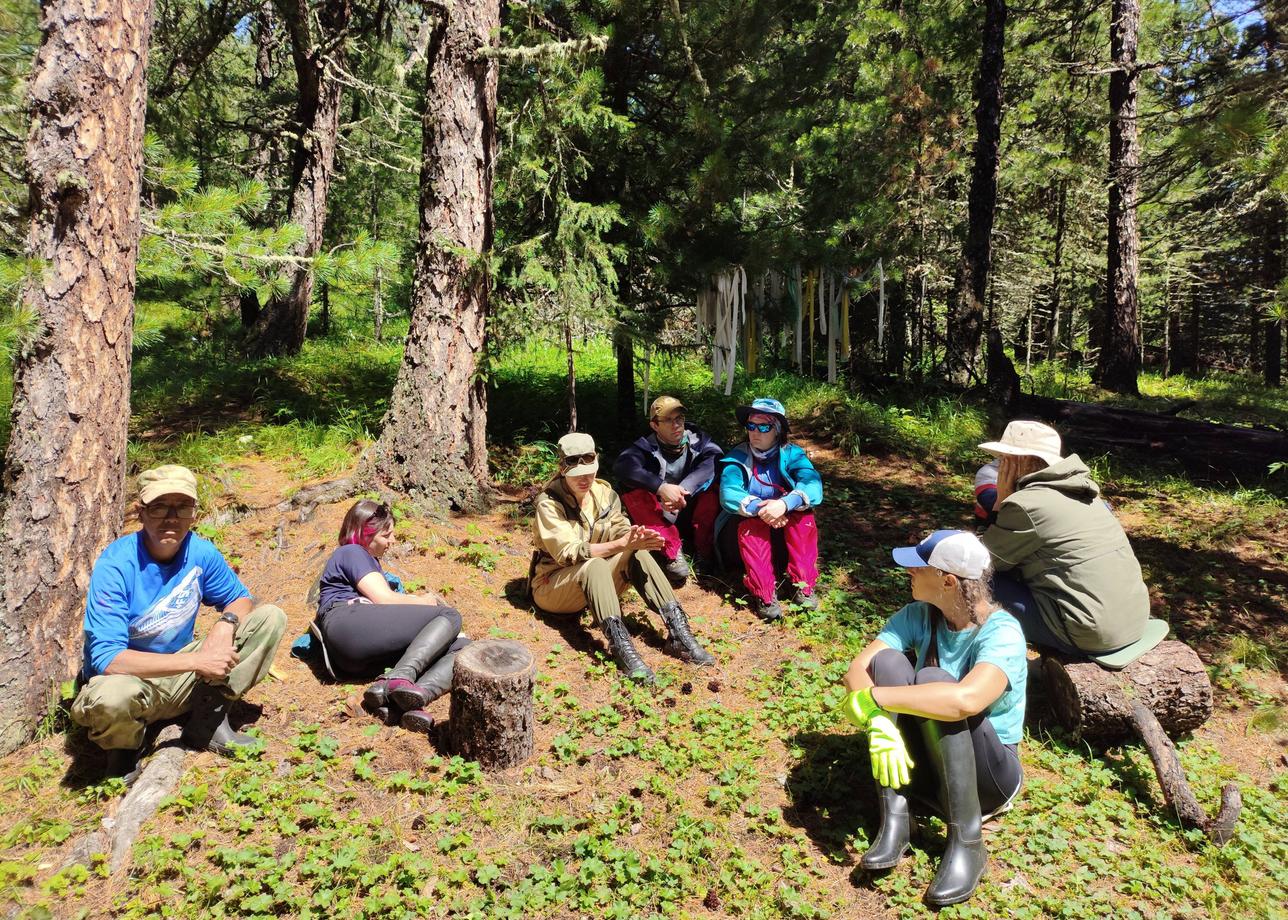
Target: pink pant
642, 507
756, 546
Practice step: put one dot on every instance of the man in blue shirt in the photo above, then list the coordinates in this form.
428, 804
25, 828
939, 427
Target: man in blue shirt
142, 663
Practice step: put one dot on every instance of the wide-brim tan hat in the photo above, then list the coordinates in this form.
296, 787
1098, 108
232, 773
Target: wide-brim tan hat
1028, 439
577, 444
170, 479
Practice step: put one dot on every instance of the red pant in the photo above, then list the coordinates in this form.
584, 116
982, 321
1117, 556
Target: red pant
699, 513
755, 545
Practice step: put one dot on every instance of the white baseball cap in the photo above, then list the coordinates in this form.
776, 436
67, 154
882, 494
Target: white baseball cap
1031, 439
954, 551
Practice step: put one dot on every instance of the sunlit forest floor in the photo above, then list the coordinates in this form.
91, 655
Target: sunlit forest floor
733, 791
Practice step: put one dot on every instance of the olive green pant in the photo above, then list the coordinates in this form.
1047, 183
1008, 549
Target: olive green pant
599, 583
117, 708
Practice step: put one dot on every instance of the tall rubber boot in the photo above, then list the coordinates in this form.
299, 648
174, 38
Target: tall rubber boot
208, 728
680, 640
895, 832
965, 858
427, 646
624, 653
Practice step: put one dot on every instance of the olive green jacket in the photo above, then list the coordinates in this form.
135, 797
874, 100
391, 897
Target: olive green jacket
1071, 552
562, 532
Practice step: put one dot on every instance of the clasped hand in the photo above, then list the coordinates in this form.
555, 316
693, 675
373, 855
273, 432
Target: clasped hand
216, 657
672, 497
643, 538
773, 512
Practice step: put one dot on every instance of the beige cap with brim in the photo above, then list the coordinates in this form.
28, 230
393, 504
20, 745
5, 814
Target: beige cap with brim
170, 479
1028, 439
577, 444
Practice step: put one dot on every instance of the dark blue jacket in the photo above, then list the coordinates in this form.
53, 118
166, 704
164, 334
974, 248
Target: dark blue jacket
641, 465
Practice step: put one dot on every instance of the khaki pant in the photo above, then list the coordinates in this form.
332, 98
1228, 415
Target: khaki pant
117, 708
599, 583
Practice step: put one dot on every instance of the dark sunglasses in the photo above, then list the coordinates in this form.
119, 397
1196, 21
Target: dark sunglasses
762, 427
161, 512
579, 459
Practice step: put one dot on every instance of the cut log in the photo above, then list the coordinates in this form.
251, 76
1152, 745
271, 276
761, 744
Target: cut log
1095, 704
491, 712
1202, 448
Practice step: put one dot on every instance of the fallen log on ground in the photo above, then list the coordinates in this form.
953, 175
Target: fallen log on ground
1202, 448
1164, 692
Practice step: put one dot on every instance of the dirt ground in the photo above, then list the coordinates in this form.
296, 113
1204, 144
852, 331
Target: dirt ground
478, 564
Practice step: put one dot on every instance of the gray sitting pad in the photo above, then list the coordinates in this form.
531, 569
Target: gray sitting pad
1155, 632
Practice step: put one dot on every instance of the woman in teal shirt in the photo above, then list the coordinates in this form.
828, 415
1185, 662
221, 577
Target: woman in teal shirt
964, 696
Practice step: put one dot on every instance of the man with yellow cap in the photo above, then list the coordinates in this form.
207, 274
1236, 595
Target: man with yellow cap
142, 663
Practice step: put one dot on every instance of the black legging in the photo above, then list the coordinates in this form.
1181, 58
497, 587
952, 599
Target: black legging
367, 638
997, 765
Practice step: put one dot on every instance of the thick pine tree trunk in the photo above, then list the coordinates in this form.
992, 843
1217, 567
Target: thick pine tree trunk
64, 467
434, 440
1272, 273
1119, 362
624, 347
281, 325
966, 310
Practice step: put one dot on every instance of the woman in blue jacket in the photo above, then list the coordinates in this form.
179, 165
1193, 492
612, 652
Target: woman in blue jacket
768, 488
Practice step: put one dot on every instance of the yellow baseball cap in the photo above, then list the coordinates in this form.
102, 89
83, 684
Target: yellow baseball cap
169, 479
664, 406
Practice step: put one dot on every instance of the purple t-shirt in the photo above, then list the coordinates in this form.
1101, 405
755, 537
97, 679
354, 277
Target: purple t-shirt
347, 566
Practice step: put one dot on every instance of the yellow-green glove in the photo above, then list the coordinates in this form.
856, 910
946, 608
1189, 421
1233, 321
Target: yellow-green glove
859, 708
890, 761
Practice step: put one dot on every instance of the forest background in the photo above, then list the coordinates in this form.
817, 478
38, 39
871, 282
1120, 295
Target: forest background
288, 256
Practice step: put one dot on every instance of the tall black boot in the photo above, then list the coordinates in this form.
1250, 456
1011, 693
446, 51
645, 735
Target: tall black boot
680, 640
427, 646
892, 838
965, 858
624, 653
438, 679
208, 728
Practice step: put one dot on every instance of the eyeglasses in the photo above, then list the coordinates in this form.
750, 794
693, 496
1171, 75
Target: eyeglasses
762, 427
676, 420
161, 512
580, 459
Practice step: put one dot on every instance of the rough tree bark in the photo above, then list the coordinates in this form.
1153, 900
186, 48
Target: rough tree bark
1119, 362
64, 467
318, 54
434, 440
966, 311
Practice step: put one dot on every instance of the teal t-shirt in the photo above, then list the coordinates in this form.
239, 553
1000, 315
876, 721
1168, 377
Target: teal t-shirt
999, 642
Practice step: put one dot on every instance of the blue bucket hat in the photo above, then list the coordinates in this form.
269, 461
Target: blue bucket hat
766, 406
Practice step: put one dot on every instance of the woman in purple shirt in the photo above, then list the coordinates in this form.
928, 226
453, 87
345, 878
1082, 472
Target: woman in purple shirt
367, 624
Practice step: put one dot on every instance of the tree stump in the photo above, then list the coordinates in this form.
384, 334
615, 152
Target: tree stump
491, 713
1164, 692
1095, 704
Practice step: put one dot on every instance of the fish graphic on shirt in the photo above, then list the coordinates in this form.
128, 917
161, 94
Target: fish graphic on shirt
170, 616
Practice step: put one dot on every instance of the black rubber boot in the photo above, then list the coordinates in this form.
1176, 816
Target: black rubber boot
428, 645
624, 653
437, 680
892, 838
124, 763
418, 721
680, 640
964, 860
208, 728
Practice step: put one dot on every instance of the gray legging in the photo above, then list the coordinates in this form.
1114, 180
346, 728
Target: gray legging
367, 638
997, 765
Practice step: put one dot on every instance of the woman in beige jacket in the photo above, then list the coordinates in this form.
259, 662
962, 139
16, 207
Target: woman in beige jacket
588, 553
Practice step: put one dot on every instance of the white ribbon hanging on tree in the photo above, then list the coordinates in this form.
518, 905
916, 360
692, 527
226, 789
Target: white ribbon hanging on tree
730, 312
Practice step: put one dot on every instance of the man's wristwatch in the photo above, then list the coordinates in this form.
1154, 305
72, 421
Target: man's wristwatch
230, 618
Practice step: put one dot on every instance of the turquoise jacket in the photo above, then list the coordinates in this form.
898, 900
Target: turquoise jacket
735, 473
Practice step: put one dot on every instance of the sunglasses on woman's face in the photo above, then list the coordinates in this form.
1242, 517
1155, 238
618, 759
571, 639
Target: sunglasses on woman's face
762, 427
579, 460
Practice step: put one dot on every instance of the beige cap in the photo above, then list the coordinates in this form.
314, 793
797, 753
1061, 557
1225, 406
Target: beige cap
577, 445
1028, 439
170, 479
664, 406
